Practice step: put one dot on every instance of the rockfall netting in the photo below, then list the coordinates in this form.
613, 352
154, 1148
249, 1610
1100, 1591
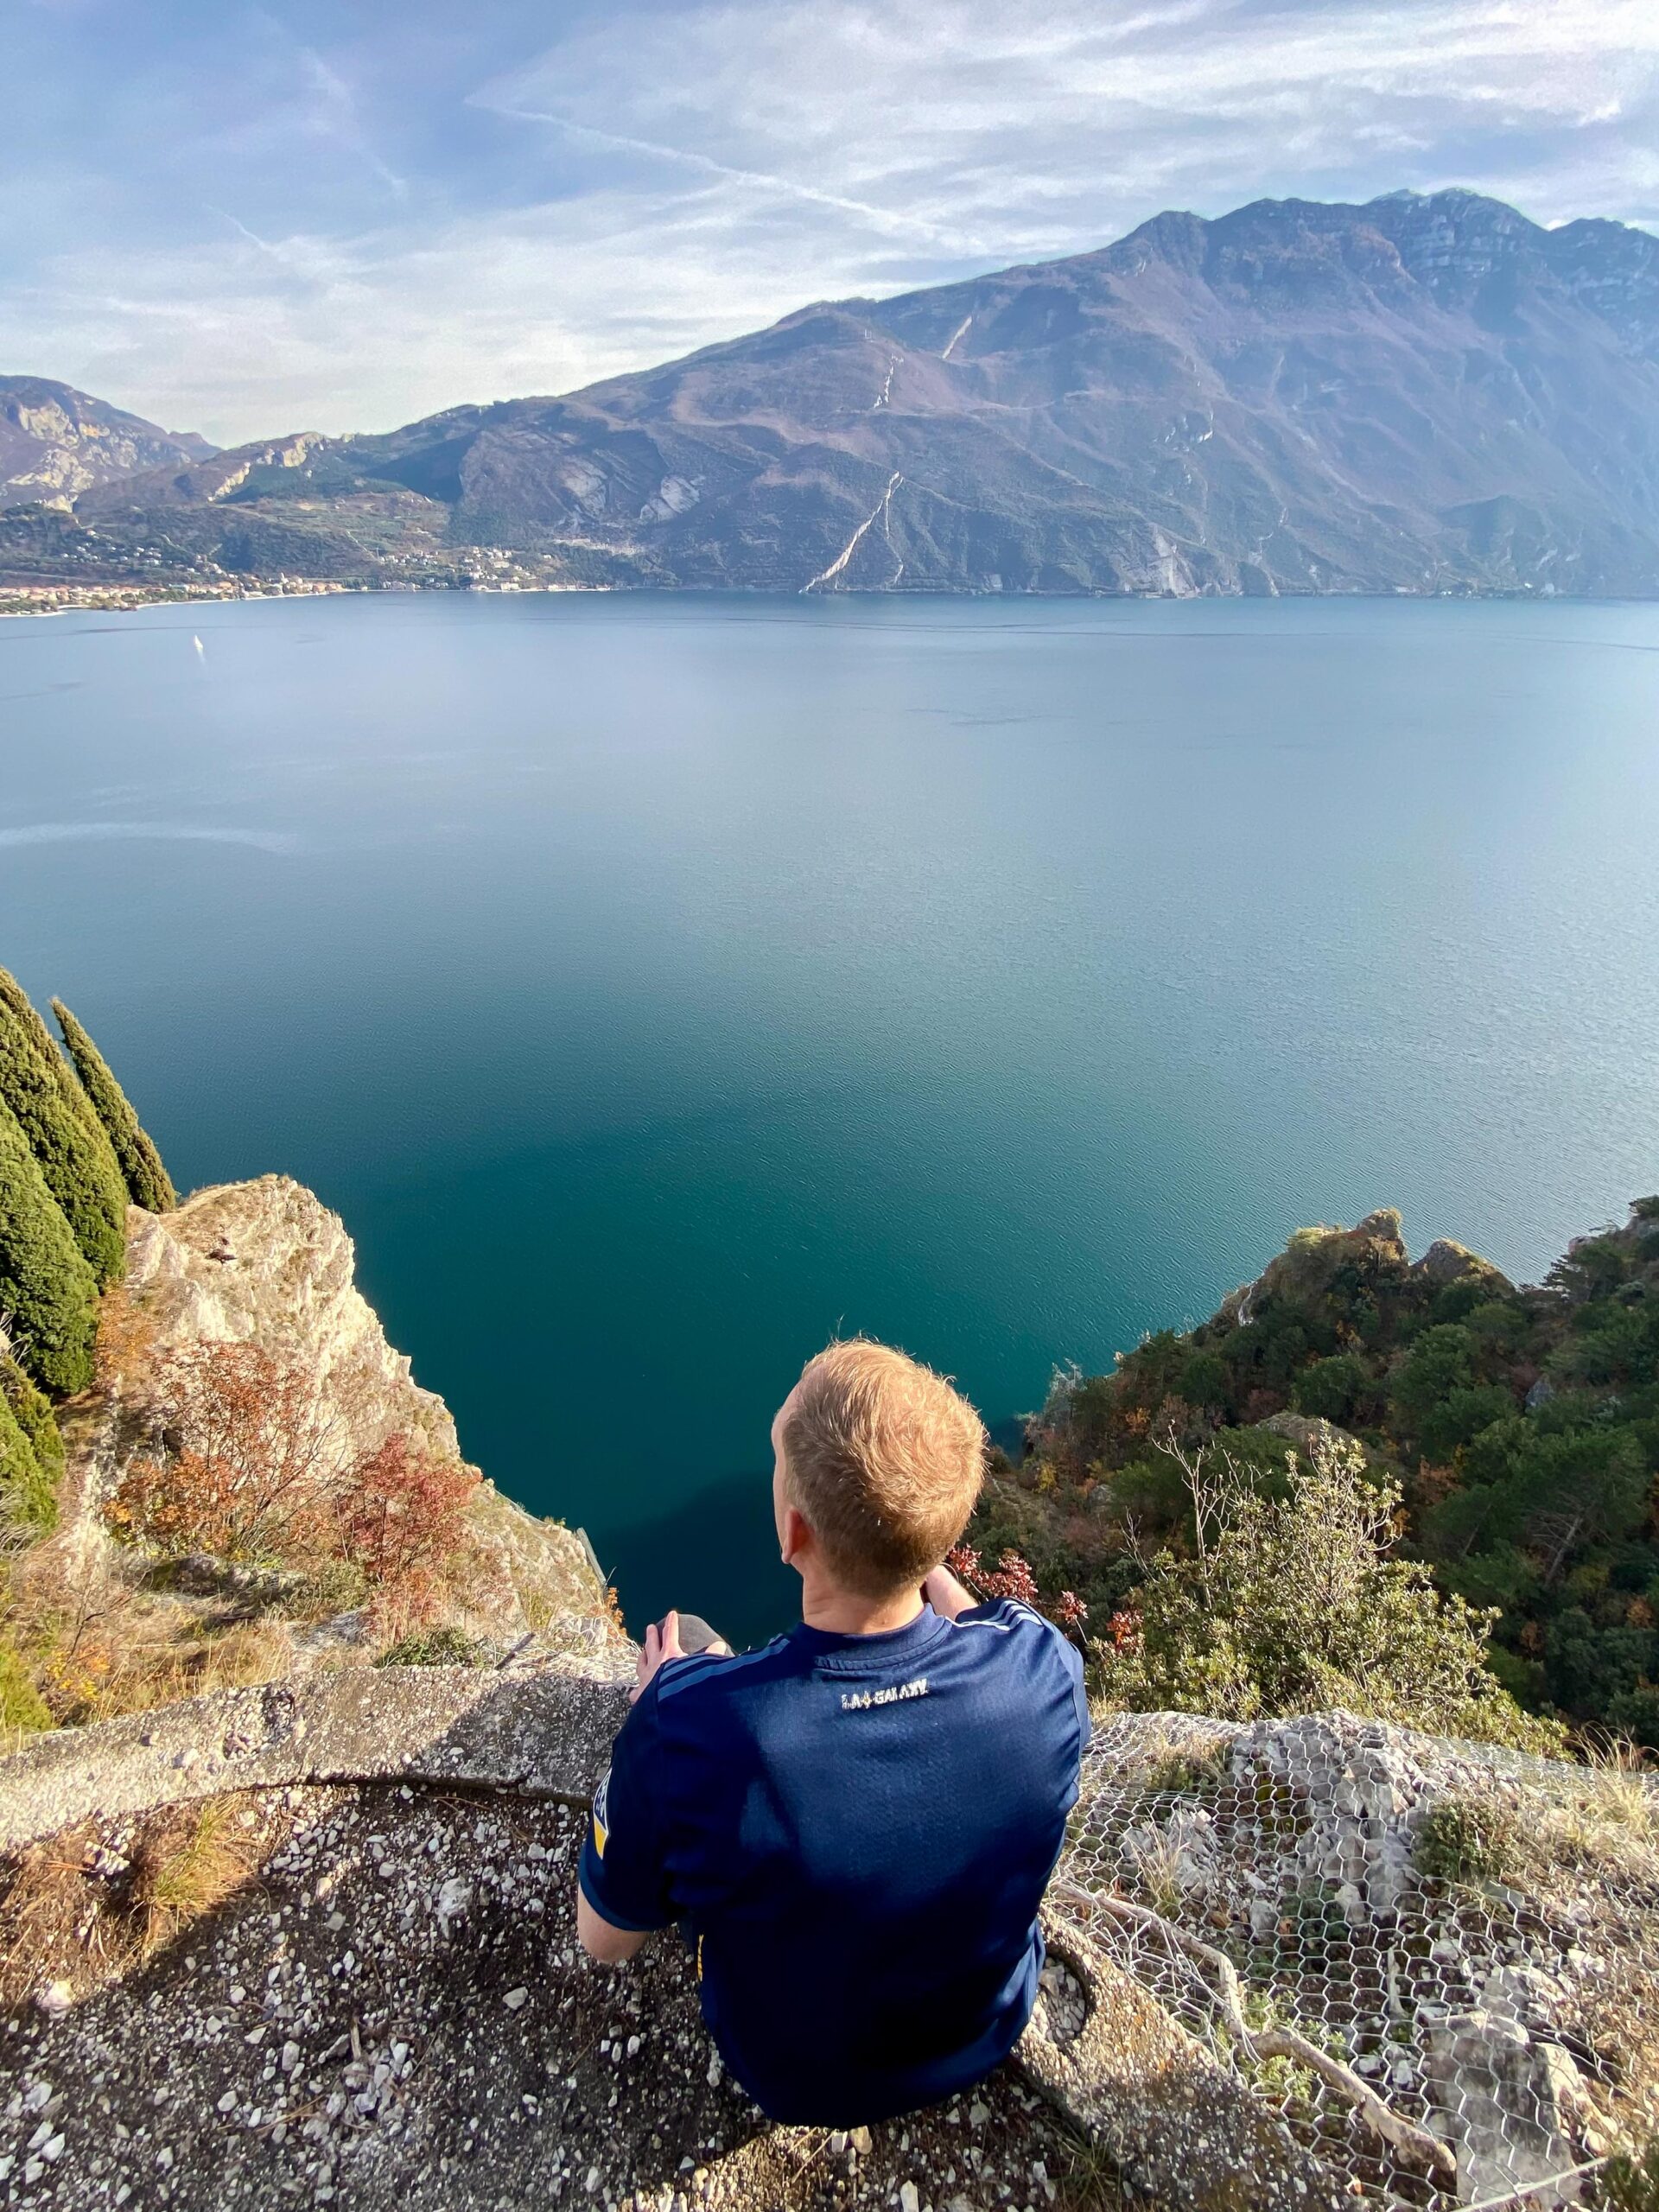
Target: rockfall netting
1437, 1962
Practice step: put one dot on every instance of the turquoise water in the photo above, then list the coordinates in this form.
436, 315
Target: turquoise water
656, 985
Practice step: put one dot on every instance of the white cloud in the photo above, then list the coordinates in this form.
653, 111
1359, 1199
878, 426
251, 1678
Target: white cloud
240, 335
682, 174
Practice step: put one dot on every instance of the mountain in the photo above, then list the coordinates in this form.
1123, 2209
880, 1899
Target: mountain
56, 442
1421, 394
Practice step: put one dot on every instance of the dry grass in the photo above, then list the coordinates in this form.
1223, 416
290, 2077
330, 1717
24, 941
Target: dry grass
75, 1912
1089, 2182
192, 1665
98, 1645
1610, 1817
188, 1866
53, 1924
1156, 1857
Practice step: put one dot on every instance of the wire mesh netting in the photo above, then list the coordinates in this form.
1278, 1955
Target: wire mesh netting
1438, 1961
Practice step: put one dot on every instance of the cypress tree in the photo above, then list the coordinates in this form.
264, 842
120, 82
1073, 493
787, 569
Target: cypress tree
148, 1182
47, 1291
28, 1497
65, 1135
32, 1410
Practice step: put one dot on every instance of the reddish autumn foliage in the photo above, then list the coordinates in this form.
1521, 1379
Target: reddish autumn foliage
1012, 1578
402, 1521
246, 1464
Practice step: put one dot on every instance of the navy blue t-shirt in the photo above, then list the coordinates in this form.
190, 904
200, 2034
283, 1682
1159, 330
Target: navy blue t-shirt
855, 1833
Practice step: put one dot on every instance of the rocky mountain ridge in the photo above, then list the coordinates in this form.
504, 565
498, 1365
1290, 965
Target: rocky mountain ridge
1419, 394
56, 442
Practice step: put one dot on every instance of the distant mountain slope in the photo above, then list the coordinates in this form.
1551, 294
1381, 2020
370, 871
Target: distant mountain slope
1420, 394
56, 442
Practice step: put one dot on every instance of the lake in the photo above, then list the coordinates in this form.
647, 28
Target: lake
658, 985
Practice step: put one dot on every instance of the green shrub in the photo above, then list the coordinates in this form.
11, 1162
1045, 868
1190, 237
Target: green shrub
336, 1585
433, 1647
47, 1291
1204, 1380
33, 1411
22, 1709
1293, 1604
65, 1135
1461, 1416
1441, 1360
148, 1182
1330, 1389
1631, 2183
1464, 1841
28, 1497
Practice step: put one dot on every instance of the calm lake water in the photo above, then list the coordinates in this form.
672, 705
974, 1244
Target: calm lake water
658, 985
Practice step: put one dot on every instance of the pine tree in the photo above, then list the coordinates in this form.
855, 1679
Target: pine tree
65, 1135
148, 1182
48, 1292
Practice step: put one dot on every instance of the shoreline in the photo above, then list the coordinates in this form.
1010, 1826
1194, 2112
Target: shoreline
96, 605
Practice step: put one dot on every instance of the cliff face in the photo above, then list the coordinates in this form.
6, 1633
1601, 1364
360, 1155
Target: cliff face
56, 442
264, 1263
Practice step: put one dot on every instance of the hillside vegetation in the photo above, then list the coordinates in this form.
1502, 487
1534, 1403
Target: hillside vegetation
1493, 1449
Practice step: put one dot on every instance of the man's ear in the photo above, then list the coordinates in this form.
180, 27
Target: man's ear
797, 1535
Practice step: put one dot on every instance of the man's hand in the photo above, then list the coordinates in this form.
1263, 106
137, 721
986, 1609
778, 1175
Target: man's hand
663, 1643
946, 1595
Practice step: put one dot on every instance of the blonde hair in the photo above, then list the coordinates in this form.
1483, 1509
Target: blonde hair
885, 1460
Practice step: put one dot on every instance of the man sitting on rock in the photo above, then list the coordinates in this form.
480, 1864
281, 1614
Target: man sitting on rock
854, 1826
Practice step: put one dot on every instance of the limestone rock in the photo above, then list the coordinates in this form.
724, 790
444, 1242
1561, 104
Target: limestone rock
1506, 2102
1447, 1261
266, 1262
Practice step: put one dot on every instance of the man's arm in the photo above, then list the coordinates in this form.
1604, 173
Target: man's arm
663, 1643
611, 1946
946, 1595
623, 1890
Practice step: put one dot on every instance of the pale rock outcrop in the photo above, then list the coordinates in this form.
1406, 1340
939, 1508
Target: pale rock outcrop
266, 1262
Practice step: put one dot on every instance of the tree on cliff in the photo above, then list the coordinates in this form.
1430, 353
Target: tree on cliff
245, 1463
402, 1512
48, 1293
28, 1475
27, 1501
1294, 1604
65, 1135
148, 1182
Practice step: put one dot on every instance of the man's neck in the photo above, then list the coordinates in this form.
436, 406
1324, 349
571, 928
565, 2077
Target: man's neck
843, 1612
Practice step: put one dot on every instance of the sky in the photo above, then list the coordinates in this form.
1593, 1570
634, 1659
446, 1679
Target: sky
334, 216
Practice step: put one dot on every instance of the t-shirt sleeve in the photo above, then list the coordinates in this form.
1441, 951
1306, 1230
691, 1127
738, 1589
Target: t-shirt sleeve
1051, 1648
1080, 1696
623, 1872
